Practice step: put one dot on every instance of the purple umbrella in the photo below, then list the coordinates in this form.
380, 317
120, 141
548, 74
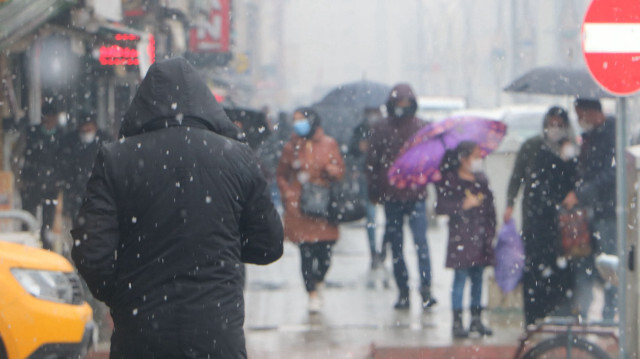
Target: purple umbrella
418, 161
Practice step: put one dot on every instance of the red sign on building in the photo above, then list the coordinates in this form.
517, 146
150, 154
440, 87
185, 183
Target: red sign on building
611, 44
212, 30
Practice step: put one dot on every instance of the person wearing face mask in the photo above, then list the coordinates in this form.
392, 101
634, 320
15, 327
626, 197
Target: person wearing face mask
545, 167
78, 150
357, 151
388, 136
596, 191
39, 178
310, 156
464, 195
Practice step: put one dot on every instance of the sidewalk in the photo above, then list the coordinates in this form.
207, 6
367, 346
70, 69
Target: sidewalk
358, 320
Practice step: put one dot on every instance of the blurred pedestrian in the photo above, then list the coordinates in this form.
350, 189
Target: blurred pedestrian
39, 178
596, 191
269, 153
170, 213
464, 195
546, 168
388, 136
356, 157
78, 151
309, 157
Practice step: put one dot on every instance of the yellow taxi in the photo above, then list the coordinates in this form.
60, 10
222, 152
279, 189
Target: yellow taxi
43, 313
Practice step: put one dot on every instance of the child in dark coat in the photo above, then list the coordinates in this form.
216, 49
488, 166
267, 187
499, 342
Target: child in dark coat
464, 195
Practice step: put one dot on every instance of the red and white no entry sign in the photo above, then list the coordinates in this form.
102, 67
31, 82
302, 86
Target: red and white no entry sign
611, 44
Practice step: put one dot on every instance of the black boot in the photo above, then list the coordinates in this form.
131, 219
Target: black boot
476, 323
458, 330
427, 300
403, 300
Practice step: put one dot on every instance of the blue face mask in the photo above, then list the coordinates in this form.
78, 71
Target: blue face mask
302, 127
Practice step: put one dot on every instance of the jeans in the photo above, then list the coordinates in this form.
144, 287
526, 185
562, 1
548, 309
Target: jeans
315, 259
417, 213
459, 280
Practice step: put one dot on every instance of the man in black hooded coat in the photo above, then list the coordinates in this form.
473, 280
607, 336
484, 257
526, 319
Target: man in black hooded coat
171, 211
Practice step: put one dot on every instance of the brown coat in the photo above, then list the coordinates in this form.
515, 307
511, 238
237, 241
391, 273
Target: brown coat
319, 157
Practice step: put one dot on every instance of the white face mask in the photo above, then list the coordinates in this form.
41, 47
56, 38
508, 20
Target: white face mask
586, 126
477, 165
87, 137
569, 151
555, 134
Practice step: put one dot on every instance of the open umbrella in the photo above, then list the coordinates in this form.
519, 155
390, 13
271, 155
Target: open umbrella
551, 80
420, 158
253, 123
341, 109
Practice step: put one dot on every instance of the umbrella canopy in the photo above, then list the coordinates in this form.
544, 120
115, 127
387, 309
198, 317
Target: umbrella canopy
253, 123
342, 108
419, 160
558, 81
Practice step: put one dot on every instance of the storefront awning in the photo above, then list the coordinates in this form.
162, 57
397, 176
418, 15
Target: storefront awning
19, 17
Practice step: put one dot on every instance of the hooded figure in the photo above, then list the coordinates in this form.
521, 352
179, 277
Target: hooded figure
545, 168
171, 211
388, 136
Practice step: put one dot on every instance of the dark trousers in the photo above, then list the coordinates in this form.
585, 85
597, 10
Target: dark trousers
417, 213
48, 215
315, 260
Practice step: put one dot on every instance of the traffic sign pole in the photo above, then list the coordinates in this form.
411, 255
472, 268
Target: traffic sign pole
621, 222
611, 48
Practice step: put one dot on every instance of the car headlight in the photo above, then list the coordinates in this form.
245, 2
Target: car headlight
49, 285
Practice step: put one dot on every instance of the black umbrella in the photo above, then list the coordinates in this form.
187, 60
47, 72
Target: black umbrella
342, 108
253, 123
558, 81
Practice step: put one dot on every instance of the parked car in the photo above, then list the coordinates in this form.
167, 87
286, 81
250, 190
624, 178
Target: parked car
436, 108
43, 313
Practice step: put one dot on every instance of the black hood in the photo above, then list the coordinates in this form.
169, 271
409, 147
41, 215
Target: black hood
173, 90
398, 93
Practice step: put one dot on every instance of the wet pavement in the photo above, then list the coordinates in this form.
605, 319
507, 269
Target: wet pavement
358, 318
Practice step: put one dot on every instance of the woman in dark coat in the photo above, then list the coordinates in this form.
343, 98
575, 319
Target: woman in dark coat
464, 195
310, 156
546, 168
171, 211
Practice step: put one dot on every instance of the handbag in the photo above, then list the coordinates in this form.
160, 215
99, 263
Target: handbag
575, 236
347, 200
341, 202
315, 200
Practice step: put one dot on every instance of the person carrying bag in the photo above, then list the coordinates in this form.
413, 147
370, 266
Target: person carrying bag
310, 163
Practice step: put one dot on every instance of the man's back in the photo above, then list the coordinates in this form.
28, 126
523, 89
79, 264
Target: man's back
171, 212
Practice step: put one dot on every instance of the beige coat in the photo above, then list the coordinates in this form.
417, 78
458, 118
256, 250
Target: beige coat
317, 160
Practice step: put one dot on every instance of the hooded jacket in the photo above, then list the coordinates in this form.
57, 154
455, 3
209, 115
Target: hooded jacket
388, 136
171, 211
597, 172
